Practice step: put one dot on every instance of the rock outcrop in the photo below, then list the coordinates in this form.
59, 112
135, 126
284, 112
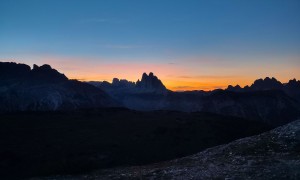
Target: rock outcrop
150, 83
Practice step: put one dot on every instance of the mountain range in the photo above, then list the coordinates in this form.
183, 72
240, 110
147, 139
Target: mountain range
292, 88
44, 88
266, 99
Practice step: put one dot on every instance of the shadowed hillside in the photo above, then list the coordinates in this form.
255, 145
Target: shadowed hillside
271, 155
44, 143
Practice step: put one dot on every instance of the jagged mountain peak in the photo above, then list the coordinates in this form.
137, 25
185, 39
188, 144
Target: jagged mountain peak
123, 83
47, 73
44, 88
12, 70
267, 83
234, 88
150, 83
293, 82
44, 73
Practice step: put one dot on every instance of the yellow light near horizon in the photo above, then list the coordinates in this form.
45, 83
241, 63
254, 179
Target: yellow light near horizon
176, 77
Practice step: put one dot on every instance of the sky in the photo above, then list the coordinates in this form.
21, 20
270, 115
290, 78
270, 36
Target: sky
188, 44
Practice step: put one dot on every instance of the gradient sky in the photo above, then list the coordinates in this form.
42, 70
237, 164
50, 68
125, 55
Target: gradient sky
188, 44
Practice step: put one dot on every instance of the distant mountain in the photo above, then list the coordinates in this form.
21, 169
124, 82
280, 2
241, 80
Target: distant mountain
236, 88
265, 100
44, 88
148, 84
292, 88
266, 84
132, 94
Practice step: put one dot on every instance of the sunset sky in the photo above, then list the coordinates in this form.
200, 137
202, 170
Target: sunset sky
188, 44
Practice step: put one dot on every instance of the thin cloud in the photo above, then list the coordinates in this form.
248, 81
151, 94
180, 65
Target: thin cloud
183, 87
103, 20
121, 46
99, 20
206, 77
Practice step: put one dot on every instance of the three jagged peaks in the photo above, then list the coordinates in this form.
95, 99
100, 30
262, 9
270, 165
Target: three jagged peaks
150, 82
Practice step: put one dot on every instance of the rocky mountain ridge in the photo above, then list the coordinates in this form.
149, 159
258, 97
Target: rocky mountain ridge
266, 100
148, 84
292, 88
44, 88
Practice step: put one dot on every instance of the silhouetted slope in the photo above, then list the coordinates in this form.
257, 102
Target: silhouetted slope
43, 143
271, 155
273, 107
44, 88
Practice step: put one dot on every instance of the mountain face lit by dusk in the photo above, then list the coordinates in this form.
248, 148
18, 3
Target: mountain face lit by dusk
189, 44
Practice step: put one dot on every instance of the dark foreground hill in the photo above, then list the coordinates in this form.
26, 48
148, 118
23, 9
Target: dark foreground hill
271, 155
50, 143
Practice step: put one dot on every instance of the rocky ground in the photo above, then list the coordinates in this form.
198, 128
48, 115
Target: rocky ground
271, 155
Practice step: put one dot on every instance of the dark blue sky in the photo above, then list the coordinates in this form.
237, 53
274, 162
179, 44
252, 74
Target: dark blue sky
223, 38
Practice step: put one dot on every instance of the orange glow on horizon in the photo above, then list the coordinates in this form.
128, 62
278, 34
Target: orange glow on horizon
179, 84
181, 76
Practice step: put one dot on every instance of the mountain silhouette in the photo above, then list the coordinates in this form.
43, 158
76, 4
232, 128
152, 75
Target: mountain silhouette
266, 100
150, 83
266, 84
10, 70
44, 88
292, 88
46, 73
